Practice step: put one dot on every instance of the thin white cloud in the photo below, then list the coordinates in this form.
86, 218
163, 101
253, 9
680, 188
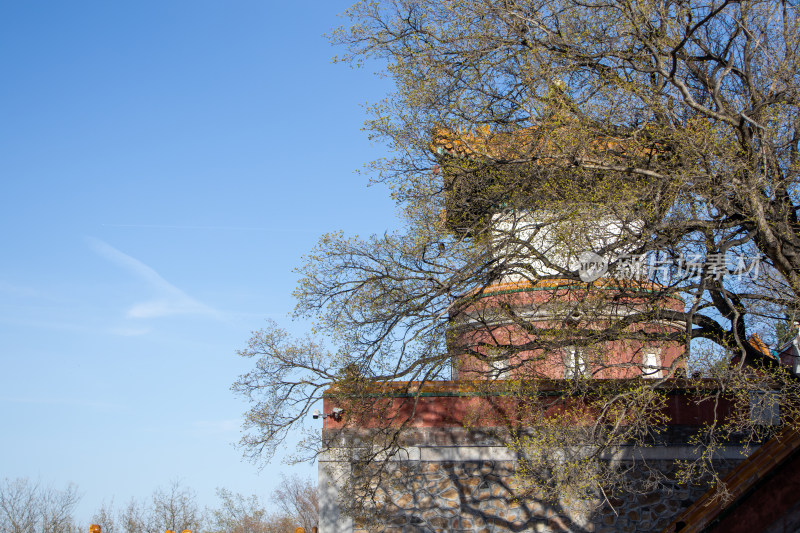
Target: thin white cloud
172, 305
208, 427
170, 300
68, 402
217, 228
129, 332
20, 290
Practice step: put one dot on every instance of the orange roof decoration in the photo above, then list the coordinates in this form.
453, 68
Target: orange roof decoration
756, 342
559, 283
522, 144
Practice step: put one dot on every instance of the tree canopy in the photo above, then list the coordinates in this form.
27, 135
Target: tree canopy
660, 136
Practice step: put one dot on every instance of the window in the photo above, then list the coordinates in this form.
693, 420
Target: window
575, 364
498, 368
651, 363
765, 408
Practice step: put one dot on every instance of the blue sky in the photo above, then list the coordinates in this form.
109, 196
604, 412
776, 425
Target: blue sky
164, 167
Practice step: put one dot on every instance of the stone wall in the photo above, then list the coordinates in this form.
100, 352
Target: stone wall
457, 481
479, 496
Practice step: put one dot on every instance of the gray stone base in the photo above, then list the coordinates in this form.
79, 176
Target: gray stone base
455, 481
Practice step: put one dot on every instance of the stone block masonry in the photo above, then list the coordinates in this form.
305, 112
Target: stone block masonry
458, 481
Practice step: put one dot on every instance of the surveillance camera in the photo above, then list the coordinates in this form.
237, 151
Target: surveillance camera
315, 414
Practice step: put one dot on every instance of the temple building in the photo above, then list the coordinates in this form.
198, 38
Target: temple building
532, 349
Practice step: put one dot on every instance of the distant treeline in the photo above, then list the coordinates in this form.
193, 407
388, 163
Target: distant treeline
29, 507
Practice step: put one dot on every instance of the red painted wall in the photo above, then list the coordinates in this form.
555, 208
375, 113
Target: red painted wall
617, 359
773, 505
469, 409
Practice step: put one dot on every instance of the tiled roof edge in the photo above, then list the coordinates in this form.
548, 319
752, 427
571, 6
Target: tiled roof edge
761, 464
